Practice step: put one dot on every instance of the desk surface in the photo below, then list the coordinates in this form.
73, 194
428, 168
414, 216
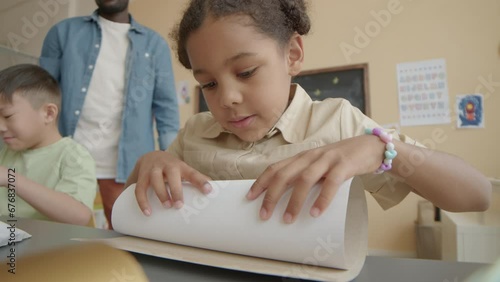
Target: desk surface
48, 235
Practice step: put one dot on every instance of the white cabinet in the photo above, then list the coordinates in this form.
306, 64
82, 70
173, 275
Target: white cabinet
471, 237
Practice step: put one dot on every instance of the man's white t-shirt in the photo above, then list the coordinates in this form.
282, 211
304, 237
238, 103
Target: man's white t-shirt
100, 123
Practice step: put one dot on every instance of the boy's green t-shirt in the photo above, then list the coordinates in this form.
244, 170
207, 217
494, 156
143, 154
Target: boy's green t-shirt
64, 166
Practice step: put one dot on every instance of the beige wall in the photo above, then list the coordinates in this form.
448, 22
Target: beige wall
463, 32
24, 23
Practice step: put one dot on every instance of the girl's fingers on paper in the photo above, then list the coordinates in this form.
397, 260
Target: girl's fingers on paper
296, 202
157, 182
329, 189
270, 199
286, 176
141, 188
262, 182
175, 187
302, 186
283, 176
198, 179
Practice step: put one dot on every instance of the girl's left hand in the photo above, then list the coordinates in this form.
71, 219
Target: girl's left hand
333, 163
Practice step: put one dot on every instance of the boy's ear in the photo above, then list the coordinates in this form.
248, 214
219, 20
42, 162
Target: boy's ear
295, 55
50, 112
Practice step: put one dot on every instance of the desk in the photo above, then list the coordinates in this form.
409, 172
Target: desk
47, 235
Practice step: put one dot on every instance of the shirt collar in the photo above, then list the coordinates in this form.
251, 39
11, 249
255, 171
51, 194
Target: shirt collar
214, 130
135, 26
292, 124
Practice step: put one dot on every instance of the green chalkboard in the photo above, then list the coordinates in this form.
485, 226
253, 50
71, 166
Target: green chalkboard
349, 82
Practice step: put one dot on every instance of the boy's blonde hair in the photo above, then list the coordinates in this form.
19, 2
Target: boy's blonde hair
31, 82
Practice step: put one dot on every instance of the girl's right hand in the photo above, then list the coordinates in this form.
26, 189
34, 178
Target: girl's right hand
156, 168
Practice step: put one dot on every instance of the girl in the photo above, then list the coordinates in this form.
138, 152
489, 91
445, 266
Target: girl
244, 54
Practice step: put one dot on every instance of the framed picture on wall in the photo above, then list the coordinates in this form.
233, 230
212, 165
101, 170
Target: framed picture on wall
349, 82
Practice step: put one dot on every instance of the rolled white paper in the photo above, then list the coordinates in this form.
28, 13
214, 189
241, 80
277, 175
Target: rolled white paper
226, 221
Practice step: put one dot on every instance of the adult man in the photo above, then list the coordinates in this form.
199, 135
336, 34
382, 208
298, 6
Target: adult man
115, 76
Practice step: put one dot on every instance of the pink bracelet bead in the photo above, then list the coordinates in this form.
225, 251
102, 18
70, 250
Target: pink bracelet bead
389, 154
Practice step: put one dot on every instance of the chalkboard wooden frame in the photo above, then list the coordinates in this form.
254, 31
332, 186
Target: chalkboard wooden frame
360, 72
198, 101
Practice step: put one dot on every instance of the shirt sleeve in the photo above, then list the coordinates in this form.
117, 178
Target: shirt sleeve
176, 147
165, 106
51, 53
78, 177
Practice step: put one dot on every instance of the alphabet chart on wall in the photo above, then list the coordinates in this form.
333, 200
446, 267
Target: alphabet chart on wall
423, 93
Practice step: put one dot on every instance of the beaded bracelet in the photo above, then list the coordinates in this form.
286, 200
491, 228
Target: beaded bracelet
389, 153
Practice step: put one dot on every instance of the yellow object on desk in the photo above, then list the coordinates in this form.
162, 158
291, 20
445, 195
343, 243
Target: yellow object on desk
95, 262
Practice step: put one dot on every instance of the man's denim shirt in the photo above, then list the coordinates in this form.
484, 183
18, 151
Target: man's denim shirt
69, 53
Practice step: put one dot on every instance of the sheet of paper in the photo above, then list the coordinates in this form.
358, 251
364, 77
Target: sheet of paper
423, 93
226, 221
9, 233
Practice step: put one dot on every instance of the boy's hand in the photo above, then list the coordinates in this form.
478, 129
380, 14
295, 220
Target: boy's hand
154, 169
332, 164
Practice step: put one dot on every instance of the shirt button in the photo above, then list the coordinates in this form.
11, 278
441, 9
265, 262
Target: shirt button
146, 55
91, 67
77, 112
97, 46
84, 89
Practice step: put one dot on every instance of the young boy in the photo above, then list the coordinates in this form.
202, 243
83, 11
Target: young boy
42, 175
116, 75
